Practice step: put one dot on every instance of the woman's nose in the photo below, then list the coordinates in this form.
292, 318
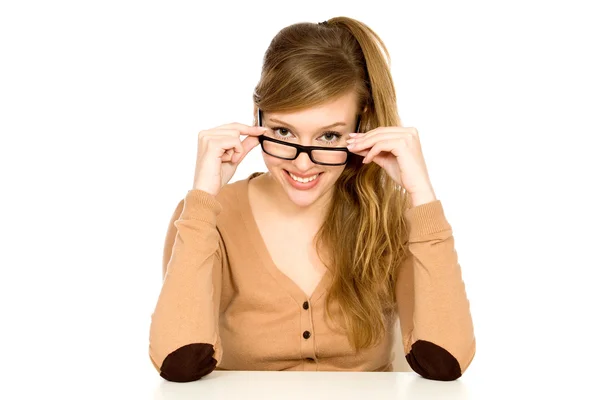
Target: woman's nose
303, 162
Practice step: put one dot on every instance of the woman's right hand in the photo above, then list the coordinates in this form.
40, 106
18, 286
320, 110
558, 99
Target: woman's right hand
220, 151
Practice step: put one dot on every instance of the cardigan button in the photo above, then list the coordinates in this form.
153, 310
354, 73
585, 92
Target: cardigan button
306, 334
305, 305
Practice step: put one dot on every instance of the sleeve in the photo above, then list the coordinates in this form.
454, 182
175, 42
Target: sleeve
435, 319
184, 339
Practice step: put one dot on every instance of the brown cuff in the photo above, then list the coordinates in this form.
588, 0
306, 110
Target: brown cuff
189, 363
433, 362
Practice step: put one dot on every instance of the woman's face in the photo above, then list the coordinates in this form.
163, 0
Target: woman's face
316, 126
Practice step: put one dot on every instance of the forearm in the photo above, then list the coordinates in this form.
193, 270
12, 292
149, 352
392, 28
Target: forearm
432, 302
184, 325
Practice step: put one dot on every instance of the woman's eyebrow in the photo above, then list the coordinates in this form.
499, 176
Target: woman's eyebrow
324, 127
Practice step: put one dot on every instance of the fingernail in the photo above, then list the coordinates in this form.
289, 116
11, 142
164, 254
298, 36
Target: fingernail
349, 140
350, 146
352, 134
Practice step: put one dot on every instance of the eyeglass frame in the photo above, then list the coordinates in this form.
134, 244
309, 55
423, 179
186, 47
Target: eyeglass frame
303, 149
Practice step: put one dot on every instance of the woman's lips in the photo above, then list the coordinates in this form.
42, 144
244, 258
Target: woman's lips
302, 185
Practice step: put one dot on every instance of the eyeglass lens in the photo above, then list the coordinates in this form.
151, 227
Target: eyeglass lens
321, 156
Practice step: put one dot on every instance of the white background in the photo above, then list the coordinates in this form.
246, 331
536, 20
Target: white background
100, 107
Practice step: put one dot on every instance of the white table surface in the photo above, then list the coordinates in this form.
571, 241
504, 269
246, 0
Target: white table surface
123, 380
265, 385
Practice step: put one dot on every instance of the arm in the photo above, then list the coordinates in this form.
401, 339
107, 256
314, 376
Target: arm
435, 320
184, 338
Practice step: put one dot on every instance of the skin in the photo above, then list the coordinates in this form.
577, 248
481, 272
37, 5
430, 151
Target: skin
279, 207
305, 127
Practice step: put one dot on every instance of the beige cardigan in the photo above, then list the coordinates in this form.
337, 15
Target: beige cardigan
224, 304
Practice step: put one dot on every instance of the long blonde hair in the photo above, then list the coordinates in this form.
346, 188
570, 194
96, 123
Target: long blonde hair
308, 64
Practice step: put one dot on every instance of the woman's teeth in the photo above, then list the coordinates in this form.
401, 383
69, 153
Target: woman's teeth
303, 180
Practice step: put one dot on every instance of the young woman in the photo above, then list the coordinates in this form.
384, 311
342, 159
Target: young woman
310, 265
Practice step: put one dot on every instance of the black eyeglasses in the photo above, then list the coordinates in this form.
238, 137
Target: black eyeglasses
291, 151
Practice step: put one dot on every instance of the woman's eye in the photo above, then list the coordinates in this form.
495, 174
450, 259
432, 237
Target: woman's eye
330, 136
279, 132
327, 137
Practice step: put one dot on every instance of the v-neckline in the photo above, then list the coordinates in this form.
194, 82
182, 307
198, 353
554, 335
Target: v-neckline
260, 246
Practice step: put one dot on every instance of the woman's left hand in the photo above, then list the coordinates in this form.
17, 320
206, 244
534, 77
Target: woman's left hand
398, 151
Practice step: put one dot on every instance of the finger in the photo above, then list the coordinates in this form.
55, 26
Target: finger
367, 142
388, 129
228, 156
237, 129
238, 150
225, 146
371, 154
247, 144
377, 132
362, 135
361, 153
377, 149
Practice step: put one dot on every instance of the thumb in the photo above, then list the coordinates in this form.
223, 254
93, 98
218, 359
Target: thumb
248, 144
